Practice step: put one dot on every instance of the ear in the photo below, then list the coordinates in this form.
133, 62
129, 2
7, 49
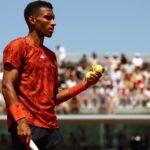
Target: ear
32, 20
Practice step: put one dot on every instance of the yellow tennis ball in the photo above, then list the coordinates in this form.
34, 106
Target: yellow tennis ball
88, 75
98, 68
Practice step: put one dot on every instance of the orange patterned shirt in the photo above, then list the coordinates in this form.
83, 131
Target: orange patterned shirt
36, 83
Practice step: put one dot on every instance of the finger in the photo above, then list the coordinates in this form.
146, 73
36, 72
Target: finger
28, 138
95, 76
99, 74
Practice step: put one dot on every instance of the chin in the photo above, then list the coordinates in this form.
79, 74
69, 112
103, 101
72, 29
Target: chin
48, 35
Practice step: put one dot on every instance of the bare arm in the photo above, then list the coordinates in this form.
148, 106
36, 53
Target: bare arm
65, 95
9, 78
10, 96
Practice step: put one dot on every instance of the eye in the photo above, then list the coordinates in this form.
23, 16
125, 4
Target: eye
49, 17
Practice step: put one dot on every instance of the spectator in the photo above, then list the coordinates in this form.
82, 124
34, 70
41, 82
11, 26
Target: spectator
74, 105
129, 67
123, 59
114, 61
94, 59
106, 63
137, 60
61, 54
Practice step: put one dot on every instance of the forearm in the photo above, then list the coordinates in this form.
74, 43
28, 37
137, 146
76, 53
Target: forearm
12, 103
66, 94
78, 88
16, 109
62, 96
9, 94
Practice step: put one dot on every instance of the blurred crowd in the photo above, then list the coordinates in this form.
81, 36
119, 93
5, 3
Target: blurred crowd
124, 84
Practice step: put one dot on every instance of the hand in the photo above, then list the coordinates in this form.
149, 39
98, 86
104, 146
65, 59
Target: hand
93, 79
24, 131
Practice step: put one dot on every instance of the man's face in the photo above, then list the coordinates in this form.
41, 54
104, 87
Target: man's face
44, 22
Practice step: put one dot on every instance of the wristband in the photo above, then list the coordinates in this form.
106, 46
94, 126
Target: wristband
16, 111
76, 89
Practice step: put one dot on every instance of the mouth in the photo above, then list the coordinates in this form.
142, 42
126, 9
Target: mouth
51, 30
49, 33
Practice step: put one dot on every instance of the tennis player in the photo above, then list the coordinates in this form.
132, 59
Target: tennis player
30, 84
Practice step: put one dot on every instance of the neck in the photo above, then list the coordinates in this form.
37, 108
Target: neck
36, 39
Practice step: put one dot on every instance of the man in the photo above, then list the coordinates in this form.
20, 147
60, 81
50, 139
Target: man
30, 84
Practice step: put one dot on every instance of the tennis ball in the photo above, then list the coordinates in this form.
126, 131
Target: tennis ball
98, 68
88, 75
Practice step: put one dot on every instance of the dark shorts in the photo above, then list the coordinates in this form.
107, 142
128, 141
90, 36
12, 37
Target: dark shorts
45, 139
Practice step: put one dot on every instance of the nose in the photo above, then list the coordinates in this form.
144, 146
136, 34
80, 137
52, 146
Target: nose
53, 22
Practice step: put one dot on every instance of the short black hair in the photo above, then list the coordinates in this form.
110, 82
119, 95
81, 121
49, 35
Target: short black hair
33, 7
